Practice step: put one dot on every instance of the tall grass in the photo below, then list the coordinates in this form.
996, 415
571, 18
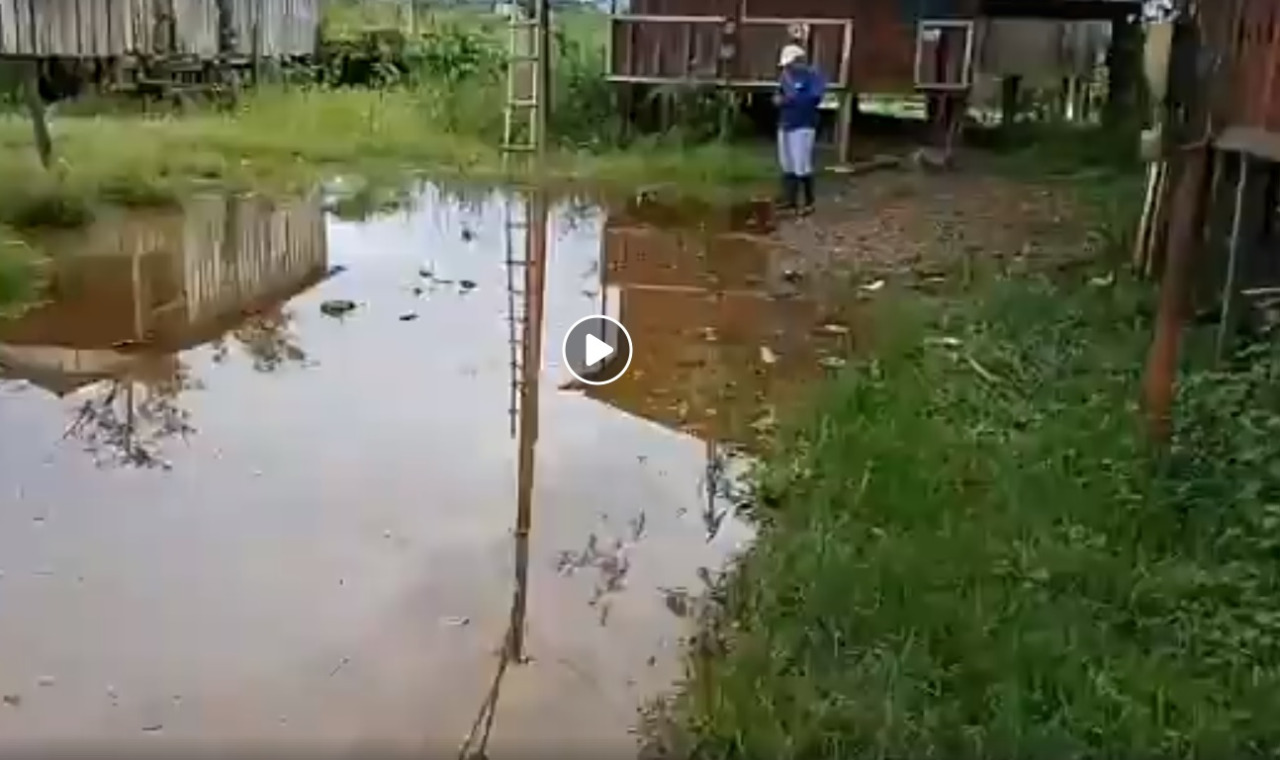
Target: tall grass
968, 553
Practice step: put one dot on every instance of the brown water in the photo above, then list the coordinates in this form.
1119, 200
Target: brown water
231, 520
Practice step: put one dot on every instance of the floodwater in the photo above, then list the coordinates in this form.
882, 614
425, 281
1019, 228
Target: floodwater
231, 520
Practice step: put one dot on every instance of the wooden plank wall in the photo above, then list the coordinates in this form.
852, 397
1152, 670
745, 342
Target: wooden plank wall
195, 25
111, 28
73, 28
288, 27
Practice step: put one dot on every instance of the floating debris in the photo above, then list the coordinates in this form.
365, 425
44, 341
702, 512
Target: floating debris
337, 307
792, 276
767, 355
467, 235
833, 328
832, 362
408, 316
455, 621
12, 700
341, 664
873, 286
467, 285
153, 728
336, 269
426, 274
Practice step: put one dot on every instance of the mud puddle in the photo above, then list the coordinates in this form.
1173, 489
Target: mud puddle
261, 472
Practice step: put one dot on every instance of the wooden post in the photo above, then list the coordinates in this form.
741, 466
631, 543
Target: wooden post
1010, 91
1185, 239
1245, 223
256, 47
1122, 72
35, 108
848, 99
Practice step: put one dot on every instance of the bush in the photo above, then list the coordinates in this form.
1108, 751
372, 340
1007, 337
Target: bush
967, 554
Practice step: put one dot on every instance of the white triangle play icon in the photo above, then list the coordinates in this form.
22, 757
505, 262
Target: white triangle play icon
596, 350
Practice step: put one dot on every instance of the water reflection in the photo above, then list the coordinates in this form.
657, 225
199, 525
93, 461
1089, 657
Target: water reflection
331, 519
722, 332
132, 293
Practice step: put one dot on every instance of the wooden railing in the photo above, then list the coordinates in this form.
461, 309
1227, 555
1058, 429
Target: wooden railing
742, 52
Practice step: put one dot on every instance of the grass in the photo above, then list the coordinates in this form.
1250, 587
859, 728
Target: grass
967, 552
289, 139
19, 272
442, 117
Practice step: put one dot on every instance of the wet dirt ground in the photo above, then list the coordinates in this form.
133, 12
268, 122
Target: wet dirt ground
260, 466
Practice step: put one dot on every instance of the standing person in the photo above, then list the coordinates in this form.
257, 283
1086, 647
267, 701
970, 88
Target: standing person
800, 92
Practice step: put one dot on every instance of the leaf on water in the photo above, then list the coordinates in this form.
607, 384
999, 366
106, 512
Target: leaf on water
767, 355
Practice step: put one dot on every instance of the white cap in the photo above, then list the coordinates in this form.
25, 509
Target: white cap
790, 54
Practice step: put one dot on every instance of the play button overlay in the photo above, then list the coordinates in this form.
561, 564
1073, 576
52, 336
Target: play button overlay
597, 350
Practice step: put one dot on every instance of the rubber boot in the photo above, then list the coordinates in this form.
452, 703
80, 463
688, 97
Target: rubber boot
787, 200
806, 189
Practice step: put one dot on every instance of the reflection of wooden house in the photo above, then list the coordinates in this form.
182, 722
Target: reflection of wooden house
705, 324
157, 284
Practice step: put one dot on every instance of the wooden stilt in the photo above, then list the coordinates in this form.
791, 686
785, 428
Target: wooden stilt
1185, 240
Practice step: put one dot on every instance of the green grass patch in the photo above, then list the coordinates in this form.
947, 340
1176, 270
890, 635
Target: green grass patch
967, 552
289, 139
20, 273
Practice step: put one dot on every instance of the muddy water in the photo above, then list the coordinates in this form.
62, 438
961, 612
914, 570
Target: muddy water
231, 518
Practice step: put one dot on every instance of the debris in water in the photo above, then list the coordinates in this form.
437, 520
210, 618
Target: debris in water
678, 601
417, 290
337, 307
153, 728
455, 621
335, 269
341, 664
425, 273
792, 276
1103, 281
46, 681
767, 355
467, 285
709, 334
408, 316
467, 235
832, 362
12, 700
833, 328
872, 287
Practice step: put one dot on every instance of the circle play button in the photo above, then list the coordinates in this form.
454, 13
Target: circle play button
597, 350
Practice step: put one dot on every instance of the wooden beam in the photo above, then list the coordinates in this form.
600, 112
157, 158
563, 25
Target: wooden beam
1185, 241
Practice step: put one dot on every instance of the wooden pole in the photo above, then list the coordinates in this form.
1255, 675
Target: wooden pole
36, 109
1185, 239
530, 368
